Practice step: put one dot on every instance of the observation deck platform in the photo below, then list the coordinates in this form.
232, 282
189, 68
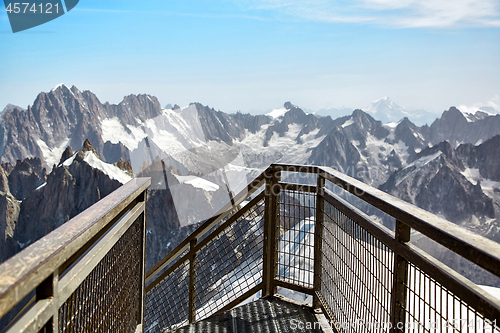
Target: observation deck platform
270, 315
294, 229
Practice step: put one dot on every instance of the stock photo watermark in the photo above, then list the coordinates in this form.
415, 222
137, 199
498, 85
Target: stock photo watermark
25, 15
433, 326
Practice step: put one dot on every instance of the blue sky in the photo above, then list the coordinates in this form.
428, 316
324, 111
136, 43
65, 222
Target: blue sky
253, 55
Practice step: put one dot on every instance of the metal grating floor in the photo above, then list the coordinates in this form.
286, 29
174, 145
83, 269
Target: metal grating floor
267, 315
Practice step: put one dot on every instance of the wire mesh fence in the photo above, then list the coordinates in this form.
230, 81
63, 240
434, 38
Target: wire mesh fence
231, 263
227, 264
431, 307
167, 303
295, 238
361, 287
108, 300
356, 273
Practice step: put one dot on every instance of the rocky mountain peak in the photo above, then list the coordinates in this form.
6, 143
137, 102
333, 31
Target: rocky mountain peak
454, 115
363, 118
4, 182
87, 146
66, 154
288, 105
11, 107
134, 107
125, 166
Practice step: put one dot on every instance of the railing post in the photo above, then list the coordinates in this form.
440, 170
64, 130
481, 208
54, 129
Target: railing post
48, 289
273, 177
400, 280
318, 238
192, 281
143, 197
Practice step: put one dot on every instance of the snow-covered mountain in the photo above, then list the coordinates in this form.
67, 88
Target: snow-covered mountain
460, 184
211, 155
385, 110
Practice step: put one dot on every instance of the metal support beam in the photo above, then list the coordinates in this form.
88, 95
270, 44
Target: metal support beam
318, 238
47, 290
400, 280
271, 223
192, 281
140, 321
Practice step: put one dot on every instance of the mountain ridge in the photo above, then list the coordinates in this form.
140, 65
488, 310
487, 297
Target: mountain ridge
420, 164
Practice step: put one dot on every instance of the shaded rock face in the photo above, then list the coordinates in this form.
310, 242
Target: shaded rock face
215, 124
66, 154
251, 122
364, 124
222, 127
69, 190
9, 213
455, 128
26, 177
115, 152
435, 182
163, 232
449, 193
414, 137
485, 157
336, 151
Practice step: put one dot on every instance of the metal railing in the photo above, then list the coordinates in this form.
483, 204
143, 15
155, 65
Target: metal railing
307, 239
85, 276
88, 275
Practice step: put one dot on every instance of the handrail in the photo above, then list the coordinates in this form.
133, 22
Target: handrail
407, 258
476, 248
53, 254
203, 243
206, 226
243, 250
461, 286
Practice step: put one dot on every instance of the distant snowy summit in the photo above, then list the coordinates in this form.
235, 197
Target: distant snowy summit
385, 110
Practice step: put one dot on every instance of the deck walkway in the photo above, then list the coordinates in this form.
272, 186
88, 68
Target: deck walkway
267, 315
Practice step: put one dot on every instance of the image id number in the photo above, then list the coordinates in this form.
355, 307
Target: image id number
27, 7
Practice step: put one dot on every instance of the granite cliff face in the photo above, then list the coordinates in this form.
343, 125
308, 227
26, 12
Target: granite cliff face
16, 183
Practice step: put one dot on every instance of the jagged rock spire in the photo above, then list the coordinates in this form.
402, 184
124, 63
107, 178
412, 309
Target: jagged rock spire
87, 146
125, 166
66, 154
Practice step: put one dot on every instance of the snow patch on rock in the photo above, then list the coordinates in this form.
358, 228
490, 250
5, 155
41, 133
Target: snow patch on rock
111, 170
198, 183
52, 155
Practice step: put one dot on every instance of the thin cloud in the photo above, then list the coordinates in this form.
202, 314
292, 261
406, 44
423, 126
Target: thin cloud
491, 107
393, 13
